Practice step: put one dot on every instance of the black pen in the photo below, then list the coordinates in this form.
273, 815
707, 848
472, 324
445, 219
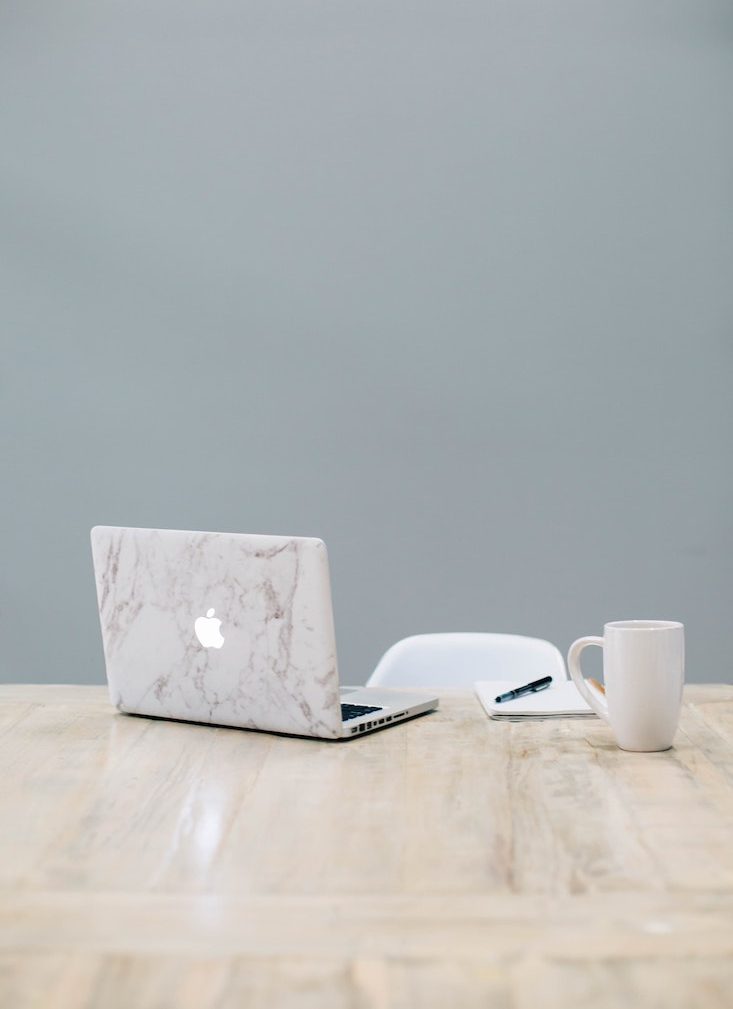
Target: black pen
528, 688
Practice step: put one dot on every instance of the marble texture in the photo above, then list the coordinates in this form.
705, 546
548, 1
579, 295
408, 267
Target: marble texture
276, 669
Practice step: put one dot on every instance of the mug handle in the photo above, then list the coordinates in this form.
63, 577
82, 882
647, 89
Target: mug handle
591, 696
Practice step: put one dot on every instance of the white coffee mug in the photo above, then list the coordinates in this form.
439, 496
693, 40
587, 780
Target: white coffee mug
643, 673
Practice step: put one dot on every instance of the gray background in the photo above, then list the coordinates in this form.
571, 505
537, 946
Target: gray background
447, 284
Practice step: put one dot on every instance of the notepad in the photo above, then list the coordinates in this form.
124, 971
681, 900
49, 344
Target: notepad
560, 700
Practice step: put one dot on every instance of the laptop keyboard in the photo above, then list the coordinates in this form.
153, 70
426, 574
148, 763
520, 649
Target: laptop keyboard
349, 711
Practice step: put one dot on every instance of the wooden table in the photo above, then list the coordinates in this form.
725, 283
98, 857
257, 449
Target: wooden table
449, 862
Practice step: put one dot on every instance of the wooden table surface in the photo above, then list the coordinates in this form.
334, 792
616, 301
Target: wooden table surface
448, 862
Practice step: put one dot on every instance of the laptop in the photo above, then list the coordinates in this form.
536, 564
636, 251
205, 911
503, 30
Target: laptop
230, 629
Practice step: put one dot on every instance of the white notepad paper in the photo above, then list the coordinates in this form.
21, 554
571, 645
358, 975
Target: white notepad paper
560, 700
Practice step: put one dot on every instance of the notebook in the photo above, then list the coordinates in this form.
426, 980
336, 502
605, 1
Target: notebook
559, 700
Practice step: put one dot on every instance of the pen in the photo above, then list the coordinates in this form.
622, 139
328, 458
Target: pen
528, 688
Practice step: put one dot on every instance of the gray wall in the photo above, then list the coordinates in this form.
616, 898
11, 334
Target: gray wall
446, 283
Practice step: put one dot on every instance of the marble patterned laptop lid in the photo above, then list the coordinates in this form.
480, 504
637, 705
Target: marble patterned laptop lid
224, 628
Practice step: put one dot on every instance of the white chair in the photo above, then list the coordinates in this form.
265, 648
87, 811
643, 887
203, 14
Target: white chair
458, 660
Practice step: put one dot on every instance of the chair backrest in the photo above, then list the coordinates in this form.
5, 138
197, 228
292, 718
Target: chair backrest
458, 660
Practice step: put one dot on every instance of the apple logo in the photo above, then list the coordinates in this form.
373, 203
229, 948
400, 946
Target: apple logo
207, 630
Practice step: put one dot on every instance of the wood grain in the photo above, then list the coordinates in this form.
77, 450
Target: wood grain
447, 861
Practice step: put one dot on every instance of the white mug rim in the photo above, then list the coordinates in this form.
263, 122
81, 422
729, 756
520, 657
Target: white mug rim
643, 625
